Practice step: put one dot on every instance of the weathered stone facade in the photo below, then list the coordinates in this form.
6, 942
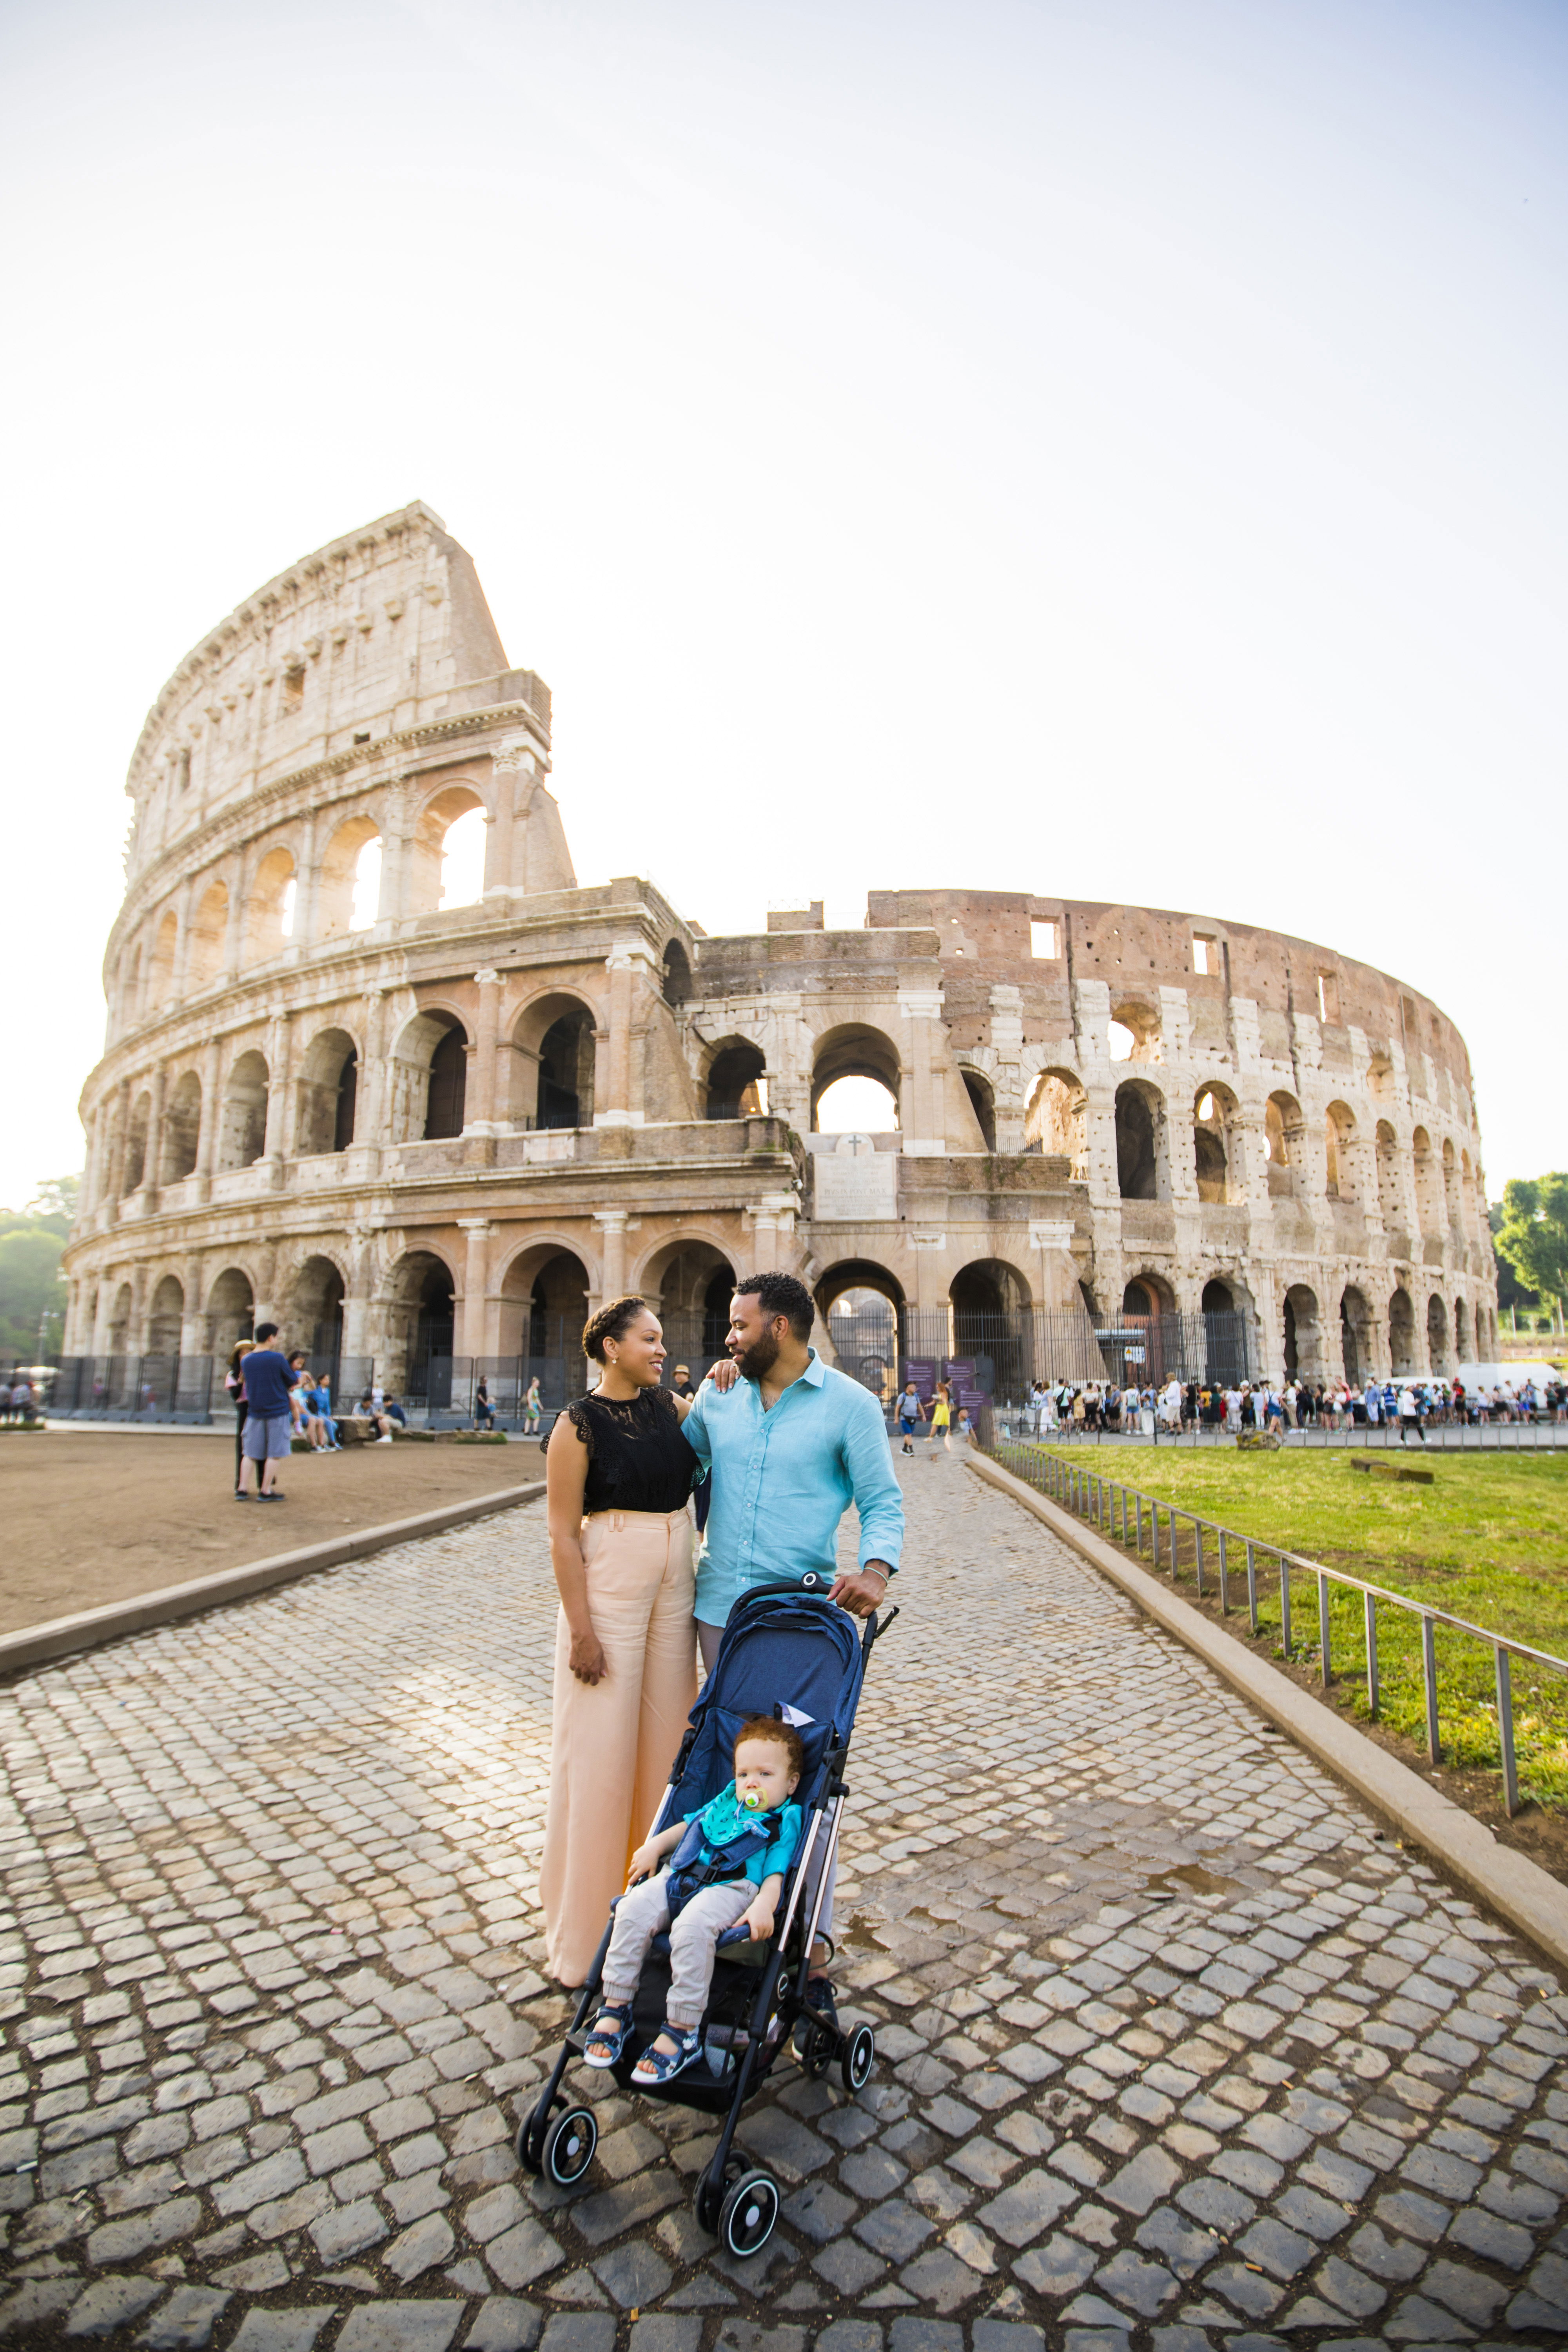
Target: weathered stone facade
518, 1106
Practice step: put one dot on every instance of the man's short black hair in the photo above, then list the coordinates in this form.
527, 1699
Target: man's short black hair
265, 1332
781, 1294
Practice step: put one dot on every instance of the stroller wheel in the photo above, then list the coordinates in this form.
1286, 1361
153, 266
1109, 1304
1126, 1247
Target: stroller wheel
858, 2060
816, 2055
569, 2145
747, 2216
708, 2202
530, 2137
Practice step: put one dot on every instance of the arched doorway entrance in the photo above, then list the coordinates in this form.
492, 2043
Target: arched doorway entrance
689, 1288
992, 1351
863, 1306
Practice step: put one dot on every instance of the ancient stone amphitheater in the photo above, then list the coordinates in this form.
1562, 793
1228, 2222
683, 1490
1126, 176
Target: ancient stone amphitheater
427, 1136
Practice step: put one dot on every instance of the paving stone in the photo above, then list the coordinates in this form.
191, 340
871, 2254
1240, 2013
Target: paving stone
1386, 2258
187, 2318
1470, 2292
910, 2333
1281, 2252
111, 2305
894, 2230
428, 2243
819, 2211
1183, 2247
633, 2274
1416, 2321
1005, 2335
523, 2254
23, 2313
848, 2267
1026, 2208
1151, 2176
504, 2324
1142, 2286
255, 2273
349, 2230
1060, 2267
419, 2326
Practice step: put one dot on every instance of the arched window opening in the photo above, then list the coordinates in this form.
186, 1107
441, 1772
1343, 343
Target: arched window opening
736, 1087
1436, 1334
231, 1308
990, 1328
1428, 1203
544, 1306
119, 1321
209, 930
420, 1323
1137, 1145
267, 902
982, 1103
328, 1087
1355, 1337
1402, 1333
161, 965
1284, 1135
566, 1072
1338, 1132
242, 1136
691, 1295
447, 1090
316, 1314
862, 1307
1218, 1298
166, 1317
1303, 1338
1137, 1302
1134, 1034
463, 860
136, 1145
676, 974
557, 1310
868, 1107
348, 886
1212, 1144
181, 1128
1054, 1123
1120, 1041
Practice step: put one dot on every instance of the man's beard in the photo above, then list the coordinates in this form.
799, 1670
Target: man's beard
759, 1359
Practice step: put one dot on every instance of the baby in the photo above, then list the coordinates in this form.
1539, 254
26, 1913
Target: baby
728, 1870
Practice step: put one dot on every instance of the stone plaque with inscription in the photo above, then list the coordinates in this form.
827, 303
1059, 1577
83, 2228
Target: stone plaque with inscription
856, 1183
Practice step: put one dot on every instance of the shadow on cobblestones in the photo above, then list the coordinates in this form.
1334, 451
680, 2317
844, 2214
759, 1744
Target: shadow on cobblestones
1173, 2051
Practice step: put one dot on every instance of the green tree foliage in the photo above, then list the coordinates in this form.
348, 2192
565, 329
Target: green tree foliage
31, 1240
1511, 1291
1534, 1236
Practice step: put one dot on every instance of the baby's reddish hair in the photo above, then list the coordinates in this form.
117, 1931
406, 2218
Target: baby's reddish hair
782, 1734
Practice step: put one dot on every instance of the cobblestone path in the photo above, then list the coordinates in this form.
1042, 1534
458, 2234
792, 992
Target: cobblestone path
1176, 2051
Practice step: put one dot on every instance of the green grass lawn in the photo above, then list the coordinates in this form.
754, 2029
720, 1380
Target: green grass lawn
1488, 1541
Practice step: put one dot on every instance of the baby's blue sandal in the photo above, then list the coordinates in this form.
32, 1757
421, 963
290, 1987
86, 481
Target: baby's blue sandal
609, 2033
656, 2066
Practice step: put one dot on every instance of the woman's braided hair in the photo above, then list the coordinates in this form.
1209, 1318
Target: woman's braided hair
611, 1322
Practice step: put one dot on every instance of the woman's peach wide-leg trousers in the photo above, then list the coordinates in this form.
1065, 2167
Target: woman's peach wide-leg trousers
613, 1744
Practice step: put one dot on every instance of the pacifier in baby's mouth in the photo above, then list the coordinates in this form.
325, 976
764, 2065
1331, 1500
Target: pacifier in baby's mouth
752, 1801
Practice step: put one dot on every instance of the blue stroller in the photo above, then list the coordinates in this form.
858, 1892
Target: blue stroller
786, 1647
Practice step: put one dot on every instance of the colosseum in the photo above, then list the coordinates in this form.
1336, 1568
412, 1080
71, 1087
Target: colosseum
426, 1136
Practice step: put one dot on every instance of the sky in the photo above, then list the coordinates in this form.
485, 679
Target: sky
1109, 450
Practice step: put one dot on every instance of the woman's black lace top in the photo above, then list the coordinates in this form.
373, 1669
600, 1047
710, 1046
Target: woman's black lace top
638, 1456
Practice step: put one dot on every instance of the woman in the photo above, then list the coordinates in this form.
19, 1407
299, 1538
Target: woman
618, 1472
532, 1408
941, 1417
233, 1381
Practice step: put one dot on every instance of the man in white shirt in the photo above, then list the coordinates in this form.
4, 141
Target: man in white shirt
1410, 1415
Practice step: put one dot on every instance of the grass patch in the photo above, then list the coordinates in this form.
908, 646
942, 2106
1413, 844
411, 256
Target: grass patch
1487, 1541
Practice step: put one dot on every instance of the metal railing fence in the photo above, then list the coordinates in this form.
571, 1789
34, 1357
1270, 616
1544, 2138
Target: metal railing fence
1100, 1502
1445, 1437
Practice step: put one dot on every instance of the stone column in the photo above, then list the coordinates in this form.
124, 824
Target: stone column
513, 767
357, 1301
1007, 1044
771, 1221
212, 1115
193, 1320
183, 909
119, 1137
1056, 1288
153, 1163
612, 1224
484, 1115
233, 929
307, 887
618, 1103
922, 1115
279, 1138
266, 1273
470, 1338
395, 846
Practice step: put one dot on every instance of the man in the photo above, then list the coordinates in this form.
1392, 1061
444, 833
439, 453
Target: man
269, 1417
791, 1445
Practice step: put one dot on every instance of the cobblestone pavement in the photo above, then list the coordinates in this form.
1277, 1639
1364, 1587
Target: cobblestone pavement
1176, 2051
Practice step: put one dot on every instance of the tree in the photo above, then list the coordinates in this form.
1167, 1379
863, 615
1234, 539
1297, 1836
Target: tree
30, 1289
1510, 1292
1534, 1236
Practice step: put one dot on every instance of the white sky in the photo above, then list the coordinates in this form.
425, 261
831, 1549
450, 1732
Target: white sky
1113, 451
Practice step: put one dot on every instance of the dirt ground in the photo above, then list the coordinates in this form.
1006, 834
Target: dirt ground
92, 1514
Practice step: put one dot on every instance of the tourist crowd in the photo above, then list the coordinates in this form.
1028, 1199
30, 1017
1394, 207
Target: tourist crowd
1176, 1405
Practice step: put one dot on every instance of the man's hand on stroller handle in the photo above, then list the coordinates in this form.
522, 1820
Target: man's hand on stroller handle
863, 1592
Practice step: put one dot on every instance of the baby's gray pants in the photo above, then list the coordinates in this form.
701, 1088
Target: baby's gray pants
640, 1914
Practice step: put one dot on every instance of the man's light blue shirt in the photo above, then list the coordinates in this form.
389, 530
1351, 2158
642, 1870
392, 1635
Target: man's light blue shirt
783, 1479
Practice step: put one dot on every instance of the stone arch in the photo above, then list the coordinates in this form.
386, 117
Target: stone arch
242, 1127
422, 1089
1145, 1296
1054, 1121
230, 1309
341, 875
446, 807
732, 1084
119, 1332
1284, 1135
419, 1314
162, 960
1339, 1145
989, 1302
181, 1128
209, 935
853, 1050
135, 1174
328, 1094
690, 1281
554, 1055
1215, 1153
1402, 1332
1138, 1022
165, 1316
863, 1319
316, 1305
269, 906
1437, 1333
1218, 1298
1142, 1165
1356, 1335
1303, 1334
676, 965
983, 1102
544, 1292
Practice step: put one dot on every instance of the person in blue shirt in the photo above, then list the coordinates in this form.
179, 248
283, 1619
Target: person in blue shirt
729, 1861
269, 1417
791, 1445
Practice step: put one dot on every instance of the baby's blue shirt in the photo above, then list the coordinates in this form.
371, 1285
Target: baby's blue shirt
724, 1817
